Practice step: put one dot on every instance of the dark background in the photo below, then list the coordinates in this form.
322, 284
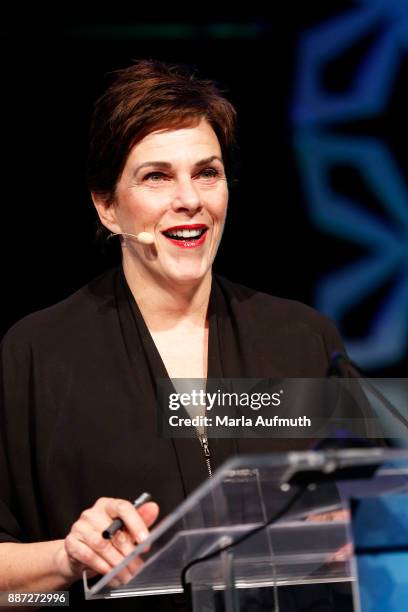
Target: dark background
57, 67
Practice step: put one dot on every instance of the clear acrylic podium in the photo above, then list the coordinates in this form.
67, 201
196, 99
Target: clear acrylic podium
241, 496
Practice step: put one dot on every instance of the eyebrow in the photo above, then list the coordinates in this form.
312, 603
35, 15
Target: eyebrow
168, 165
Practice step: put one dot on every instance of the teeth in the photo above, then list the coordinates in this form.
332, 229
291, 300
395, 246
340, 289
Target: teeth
185, 233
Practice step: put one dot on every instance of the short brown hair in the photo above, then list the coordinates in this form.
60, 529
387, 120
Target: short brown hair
147, 96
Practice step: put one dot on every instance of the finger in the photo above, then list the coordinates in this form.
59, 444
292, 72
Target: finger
335, 515
316, 518
101, 547
123, 542
99, 519
81, 556
342, 515
133, 521
149, 512
343, 553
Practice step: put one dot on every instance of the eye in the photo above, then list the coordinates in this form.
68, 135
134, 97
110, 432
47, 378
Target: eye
206, 173
209, 173
153, 175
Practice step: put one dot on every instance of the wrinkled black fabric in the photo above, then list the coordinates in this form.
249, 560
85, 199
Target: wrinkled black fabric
78, 411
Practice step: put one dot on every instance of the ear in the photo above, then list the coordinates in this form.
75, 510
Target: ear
106, 212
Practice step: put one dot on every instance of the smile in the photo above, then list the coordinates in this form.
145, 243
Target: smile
186, 236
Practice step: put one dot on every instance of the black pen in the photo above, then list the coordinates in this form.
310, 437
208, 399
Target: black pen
118, 523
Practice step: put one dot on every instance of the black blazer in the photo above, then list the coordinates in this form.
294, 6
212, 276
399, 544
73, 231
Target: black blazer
78, 413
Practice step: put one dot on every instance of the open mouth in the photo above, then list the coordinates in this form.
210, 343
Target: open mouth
186, 236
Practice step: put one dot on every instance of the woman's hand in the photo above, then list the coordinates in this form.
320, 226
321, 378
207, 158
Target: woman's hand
332, 515
345, 551
85, 548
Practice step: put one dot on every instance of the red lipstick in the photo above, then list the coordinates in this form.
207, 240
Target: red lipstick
187, 242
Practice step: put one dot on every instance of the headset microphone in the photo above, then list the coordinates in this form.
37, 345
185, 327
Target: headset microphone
143, 237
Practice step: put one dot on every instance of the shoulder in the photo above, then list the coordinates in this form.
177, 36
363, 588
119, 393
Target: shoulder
274, 312
57, 323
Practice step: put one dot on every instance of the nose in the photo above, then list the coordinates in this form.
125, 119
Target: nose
186, 196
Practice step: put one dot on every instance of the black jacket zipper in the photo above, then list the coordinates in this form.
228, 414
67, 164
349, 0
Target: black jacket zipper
206, 450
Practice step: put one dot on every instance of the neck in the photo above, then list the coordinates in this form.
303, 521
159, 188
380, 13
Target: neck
164, 304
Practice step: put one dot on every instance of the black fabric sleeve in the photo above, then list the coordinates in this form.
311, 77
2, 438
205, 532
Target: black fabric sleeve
12, 384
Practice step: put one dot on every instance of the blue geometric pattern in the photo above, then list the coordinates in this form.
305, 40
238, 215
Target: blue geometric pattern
374, 78
319, 151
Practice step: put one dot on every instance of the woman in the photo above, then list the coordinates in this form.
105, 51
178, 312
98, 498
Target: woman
79, 377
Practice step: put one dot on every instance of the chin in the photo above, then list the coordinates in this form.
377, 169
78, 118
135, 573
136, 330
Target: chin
190, 274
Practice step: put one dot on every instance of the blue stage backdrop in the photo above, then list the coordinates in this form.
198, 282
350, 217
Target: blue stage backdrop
322, 115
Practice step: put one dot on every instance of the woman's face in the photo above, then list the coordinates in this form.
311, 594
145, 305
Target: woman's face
173, 186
